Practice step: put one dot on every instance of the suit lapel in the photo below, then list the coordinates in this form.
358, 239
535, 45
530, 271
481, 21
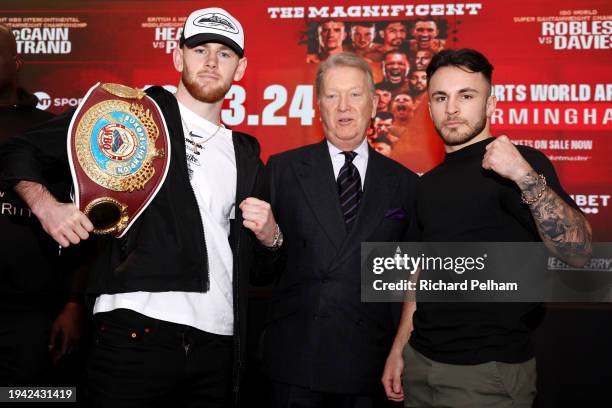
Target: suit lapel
316, 178
380, 184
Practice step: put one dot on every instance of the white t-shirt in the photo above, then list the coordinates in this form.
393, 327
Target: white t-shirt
213, 177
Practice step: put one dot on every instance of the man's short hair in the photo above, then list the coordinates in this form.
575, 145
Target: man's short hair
384, 86
330, 20
384, 115
366, 24
384, 24
425, 19
466, 59
395, 52
343, 59
426, 50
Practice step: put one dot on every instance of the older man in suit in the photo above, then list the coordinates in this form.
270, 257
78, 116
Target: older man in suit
322, 346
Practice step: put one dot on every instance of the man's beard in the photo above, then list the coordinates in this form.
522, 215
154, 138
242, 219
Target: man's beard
396, 42
382, 134
208, 94
453, 137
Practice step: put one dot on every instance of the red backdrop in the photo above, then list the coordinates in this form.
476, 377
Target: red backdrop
552, 70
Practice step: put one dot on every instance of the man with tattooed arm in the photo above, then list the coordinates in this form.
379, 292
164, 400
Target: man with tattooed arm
485, 190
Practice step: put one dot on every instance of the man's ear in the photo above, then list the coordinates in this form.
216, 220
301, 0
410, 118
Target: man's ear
177, 59
240, 69
491, 104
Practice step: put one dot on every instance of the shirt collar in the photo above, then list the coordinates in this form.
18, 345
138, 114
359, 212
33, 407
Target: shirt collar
361, 150
194, 120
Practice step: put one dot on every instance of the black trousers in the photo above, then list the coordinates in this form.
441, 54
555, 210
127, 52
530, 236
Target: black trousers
138, 361
294, 396
24, 353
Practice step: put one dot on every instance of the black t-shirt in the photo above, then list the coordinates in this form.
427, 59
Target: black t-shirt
459, 201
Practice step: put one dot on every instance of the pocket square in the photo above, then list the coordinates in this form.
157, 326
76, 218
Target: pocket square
395, 214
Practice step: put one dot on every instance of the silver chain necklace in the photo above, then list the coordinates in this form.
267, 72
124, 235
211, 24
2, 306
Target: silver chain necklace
196, 146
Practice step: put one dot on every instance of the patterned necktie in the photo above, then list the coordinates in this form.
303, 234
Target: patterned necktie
349, 188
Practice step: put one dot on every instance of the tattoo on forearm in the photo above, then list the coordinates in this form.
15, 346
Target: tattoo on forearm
529, 184
560, 225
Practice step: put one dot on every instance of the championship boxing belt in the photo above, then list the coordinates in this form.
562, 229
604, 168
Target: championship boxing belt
119, 153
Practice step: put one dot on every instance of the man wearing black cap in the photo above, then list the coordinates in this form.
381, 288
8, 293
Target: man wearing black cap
170, 310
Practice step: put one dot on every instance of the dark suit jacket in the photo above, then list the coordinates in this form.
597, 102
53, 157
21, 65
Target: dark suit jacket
318, 333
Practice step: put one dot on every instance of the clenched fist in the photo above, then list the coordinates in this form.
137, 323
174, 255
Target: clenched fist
63, 221
504, 158
258, 217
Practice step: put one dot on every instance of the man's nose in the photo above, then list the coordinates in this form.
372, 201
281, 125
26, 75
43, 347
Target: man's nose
343, 103
452, 107
211, 60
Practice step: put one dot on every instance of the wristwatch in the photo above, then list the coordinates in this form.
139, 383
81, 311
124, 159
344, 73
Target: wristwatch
277, 241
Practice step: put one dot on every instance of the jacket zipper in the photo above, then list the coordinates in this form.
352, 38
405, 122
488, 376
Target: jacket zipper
202, 231
206, 287
236, 297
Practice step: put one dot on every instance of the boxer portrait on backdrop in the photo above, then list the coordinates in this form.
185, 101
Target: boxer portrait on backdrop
398, 52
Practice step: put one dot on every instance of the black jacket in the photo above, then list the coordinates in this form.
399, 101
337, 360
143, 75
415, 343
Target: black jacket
165, 249
31, 277
318, 333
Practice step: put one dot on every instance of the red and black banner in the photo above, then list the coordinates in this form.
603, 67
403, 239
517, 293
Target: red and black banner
552, 63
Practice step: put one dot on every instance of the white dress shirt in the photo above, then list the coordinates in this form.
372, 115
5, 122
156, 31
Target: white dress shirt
360, 161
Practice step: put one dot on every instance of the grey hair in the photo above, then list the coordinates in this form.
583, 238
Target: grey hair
344, 59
